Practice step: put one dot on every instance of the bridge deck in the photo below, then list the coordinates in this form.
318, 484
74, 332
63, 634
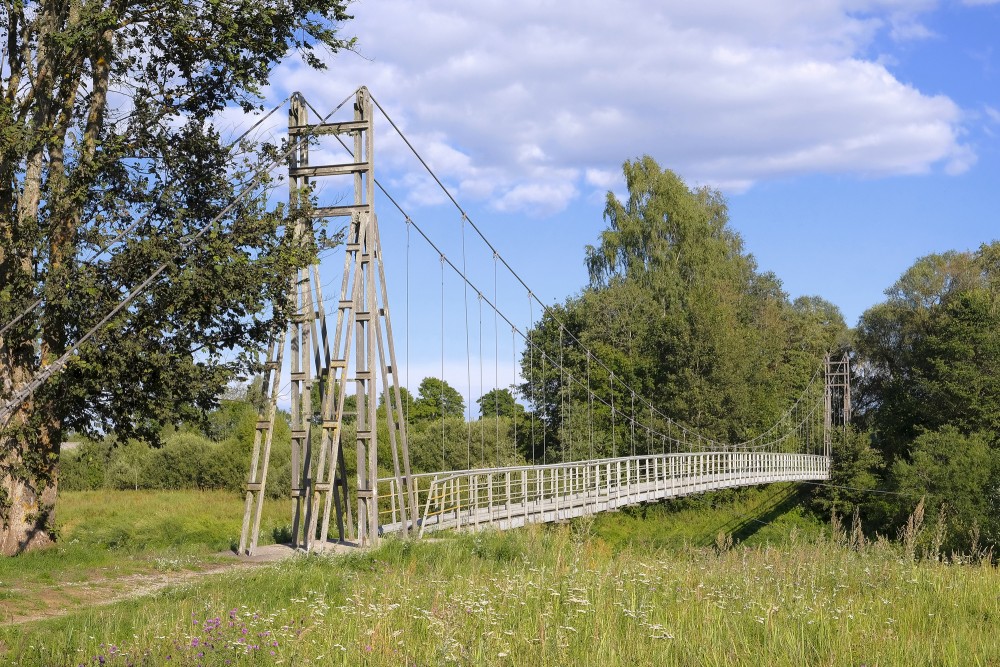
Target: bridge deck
504, 498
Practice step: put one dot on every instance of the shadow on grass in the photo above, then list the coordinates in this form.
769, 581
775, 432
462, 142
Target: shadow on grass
776, 504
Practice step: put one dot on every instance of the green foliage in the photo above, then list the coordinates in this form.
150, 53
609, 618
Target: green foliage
959, 473
442, 444
499, 403
931, 351
930, 390
134, 461
186, 459
435, 399
960, 371
857, 471
84, 468
404, 397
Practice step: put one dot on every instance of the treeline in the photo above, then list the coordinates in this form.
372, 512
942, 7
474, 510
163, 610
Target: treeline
210, 453
214, 452
677, 311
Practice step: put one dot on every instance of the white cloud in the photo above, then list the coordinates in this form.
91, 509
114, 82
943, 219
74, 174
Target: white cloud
538, 198
528, 105
602, 178
907, 28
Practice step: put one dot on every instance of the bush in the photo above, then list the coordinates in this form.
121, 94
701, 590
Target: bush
84, 468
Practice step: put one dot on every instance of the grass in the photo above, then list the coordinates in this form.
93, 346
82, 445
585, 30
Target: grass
557, 595
107, 535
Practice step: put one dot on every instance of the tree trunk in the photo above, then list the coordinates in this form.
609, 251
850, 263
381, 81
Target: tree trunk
30, 519
28, 480
29, 442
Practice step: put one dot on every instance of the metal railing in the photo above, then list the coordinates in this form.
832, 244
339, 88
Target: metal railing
510, 497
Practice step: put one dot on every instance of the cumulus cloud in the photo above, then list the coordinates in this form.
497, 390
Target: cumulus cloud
528, 105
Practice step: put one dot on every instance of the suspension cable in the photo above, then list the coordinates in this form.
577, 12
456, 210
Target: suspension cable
496, 361
614, 443
482, 404
590, 408
513, 366
531, 380
545, 421
562, 398
407, 342
444, 461
632, 425
468, 349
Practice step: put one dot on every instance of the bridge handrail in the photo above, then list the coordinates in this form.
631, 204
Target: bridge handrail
570, 464
478, 496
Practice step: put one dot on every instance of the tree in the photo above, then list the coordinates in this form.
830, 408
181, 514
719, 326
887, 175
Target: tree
106, 129
930, 387
499, 403
855, 472
930, 354
405, 398
677, 312
436, 398
958, 378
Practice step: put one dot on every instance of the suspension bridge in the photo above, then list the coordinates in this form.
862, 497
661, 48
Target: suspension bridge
337, 363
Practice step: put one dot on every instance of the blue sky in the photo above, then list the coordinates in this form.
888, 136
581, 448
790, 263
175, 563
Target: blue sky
850, 137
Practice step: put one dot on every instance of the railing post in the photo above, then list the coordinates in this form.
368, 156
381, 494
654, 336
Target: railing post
560, 487
507, 488
489, 497
474, 502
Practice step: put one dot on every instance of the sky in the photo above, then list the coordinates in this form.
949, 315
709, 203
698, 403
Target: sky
850, 137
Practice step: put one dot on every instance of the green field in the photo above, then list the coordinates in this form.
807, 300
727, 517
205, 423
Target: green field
648, 587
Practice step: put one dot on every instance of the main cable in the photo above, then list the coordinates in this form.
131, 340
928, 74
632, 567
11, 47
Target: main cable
746, 444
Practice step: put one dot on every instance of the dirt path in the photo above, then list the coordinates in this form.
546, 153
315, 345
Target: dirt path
55, 600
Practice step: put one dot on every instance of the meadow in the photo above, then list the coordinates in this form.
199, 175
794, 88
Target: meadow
653, 586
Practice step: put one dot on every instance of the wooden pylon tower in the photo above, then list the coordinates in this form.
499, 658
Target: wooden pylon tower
836, 397
321, 368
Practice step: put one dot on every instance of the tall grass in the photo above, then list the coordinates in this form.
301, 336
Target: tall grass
550, 596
